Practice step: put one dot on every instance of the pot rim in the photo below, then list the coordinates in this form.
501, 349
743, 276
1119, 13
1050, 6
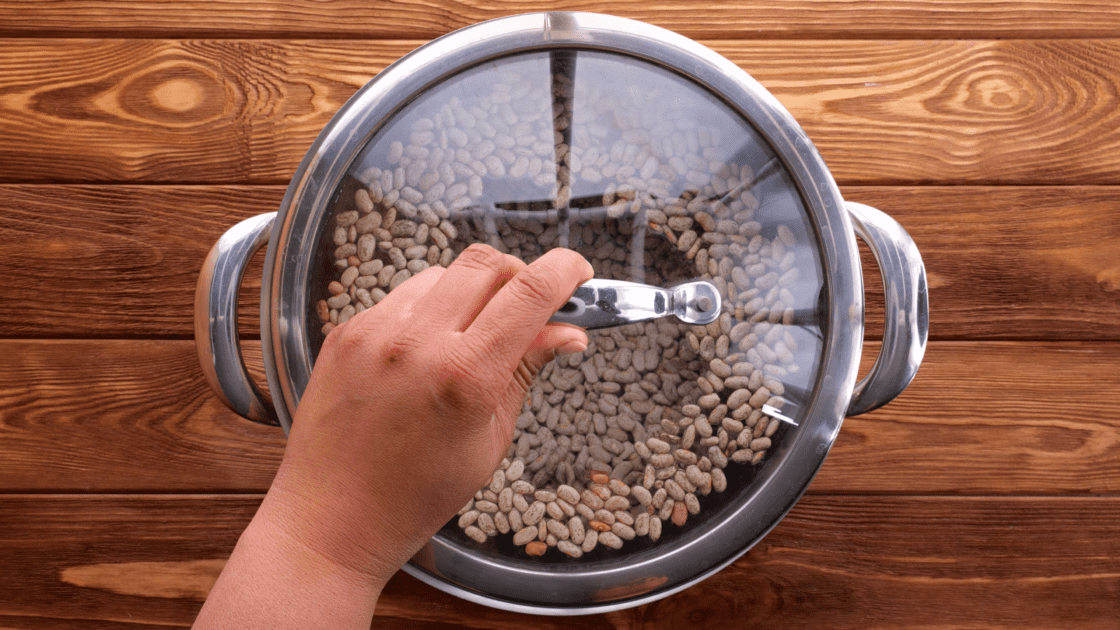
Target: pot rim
285, 313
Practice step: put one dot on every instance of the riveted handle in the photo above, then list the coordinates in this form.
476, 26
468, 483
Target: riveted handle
215, 319
907, 309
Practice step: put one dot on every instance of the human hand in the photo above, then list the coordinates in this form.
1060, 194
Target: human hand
412, 404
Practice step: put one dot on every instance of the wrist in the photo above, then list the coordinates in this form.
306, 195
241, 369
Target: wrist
276, 579
328, 530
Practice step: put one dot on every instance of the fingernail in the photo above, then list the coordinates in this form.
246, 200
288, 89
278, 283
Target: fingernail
572, 347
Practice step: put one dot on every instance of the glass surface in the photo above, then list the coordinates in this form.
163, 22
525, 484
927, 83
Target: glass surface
654, 180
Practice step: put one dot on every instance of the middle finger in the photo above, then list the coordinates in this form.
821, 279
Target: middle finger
467, 286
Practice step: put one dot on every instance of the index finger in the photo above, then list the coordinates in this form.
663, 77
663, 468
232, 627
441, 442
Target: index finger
511, 320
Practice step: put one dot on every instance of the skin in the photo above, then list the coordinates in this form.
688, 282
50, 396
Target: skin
410, 408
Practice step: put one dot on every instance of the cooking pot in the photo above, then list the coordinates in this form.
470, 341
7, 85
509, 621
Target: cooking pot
585, 128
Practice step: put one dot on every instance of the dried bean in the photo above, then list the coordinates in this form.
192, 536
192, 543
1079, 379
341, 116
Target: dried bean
610, 539
475, 534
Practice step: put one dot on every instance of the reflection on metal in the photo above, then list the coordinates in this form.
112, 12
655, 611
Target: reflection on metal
215, 319
907, 309
609, 303
563, 69
774, 413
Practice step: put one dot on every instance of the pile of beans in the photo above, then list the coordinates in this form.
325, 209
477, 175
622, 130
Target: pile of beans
617, 441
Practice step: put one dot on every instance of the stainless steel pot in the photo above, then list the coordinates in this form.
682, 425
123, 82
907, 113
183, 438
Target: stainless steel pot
791, 179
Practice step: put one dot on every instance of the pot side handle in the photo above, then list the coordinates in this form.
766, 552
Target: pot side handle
215, 319
907, 309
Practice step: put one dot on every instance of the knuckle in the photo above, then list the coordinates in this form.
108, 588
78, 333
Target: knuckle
482, 257
538, 287
397, 352
460, 376
344, 341
454, 364
566, 259
566, 256
385, 344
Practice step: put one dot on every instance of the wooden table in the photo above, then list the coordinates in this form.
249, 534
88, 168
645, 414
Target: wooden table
132, 134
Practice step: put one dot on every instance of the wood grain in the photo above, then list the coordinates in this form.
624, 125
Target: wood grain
980, 418
245, 111
136, 416
58, 541
1031, 263
118, 261
138, 562
180, 111
1008, 263
752, 19
989, 418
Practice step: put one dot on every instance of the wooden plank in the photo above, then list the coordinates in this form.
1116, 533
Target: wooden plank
887, 19
980, 418
1003, 262
1008, 263
245, 111
126, 562
989, 418
180, 111
118, 261
132, 416
834, 562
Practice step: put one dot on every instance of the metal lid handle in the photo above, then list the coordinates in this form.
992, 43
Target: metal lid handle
608, 303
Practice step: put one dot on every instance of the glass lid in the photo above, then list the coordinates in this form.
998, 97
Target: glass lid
656, 181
